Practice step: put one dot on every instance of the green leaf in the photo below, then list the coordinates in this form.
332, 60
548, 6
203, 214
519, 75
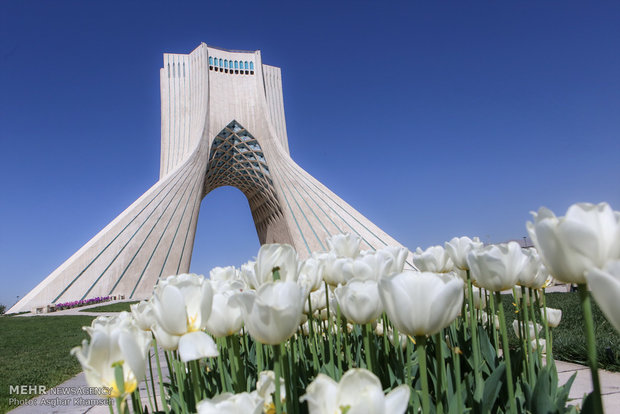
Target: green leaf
492, 386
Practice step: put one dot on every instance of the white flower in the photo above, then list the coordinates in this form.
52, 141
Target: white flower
225, 320
359, 301
399, 256
587, 237
459, 247
344, 245
227, 403
143, 314
369, 266
434, 259
478, 296
554, 316
282, 257
605, 286
223, 273
336, 270
533, 329
272, 313
542, 345
359, 391
318, 300
182, 306
266, 386
529, 276
421, 303
114, 340
497, 267
311, 274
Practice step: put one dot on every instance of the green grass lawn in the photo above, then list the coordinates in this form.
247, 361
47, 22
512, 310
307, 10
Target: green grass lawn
113, 307
35, 351
569, 337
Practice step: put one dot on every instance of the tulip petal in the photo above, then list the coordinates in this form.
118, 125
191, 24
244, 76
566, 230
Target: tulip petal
361, 390
605, 287
196, 345
134, 356
164, 339
321, 395
397, 400
170, 310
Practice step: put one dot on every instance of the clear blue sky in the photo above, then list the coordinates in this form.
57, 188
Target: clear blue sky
433, 120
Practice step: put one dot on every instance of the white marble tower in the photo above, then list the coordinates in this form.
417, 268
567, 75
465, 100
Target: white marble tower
222, 123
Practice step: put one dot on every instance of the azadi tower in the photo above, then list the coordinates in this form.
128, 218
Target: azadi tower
222, 123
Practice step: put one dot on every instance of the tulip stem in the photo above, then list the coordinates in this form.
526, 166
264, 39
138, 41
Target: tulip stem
220, 367
456, 355
586, 306
421, 351
367, 347
548, 333
162, 393
239, 383
338, 339
277, 368
152, 385
259, 356
492, 319
313, 342
528, 337
502, 324
120, 386
530, 294
474, 340
440, 371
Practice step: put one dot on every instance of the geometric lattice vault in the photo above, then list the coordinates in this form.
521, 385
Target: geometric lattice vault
222, 123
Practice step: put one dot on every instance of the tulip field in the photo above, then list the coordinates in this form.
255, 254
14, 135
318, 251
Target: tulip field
350, 331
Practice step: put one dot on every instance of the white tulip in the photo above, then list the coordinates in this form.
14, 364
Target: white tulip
459, 247
182, 305
248, 275
359, 301
318, 300
587, 237
421, 303
554, 316
484, 318
114, 340
542, 345
223, 273
311, 274
227, 403
225, 320
434, 259
533, 329
369, 266
497, 267
528, 276
266, 386
399, 256
336, 270
273, 312
479, 297
143, 314
359, 391
605, 286
344, 245
282, 257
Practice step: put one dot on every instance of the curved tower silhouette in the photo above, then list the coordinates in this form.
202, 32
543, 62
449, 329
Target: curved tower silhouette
222, 123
